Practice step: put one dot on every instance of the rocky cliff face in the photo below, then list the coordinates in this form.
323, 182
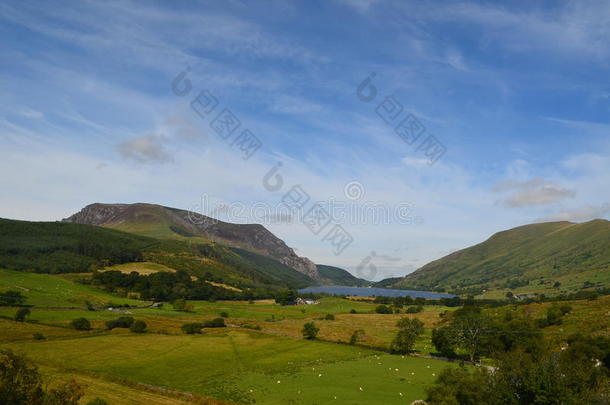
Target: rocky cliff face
141, 218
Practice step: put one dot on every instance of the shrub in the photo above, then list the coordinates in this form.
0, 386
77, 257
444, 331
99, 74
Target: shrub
81, 324
565, 309
415, 309
329, 317
224, 314
21, 314
122, 322
138, 327
97, 401
182, 305
21, 384
383, 309
38, 336
352, 311
11, 297
357, 336
410, 329
255, 327
215, 323
310, 331
191, 328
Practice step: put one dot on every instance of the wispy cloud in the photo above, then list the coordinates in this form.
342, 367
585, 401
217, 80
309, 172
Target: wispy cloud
145, 149
534, 192
586, 213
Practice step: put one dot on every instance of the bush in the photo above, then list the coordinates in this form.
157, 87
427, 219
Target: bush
383, 309
97, 401
182, 305
38, 336
310, 331
410, 329
224, 314
122, 322
352, 311
138, 327
11, 297
191, 328
415, 309
21, 314
255, 327
81, 324
329, 317
215, 323
21, 384
357, 336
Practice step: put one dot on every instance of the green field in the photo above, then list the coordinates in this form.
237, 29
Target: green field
240, 365
44, 290
273, 365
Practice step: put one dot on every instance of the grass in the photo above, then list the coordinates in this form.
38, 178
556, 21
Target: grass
143, 268
241, 366
46, 290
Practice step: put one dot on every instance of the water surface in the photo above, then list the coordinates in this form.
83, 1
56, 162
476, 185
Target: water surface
373, 292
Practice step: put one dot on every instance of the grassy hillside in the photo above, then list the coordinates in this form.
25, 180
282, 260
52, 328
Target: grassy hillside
54, 247
54, 291
337, 276
170, 223
547, 257
58, 247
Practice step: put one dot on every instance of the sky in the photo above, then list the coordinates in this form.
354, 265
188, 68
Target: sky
419, 127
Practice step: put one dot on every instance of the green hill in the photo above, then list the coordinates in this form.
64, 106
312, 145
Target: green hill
337, 276
170, 223
59, 247
547, 257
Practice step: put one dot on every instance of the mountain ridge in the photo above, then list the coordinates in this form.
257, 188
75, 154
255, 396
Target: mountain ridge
548, 252
167, 222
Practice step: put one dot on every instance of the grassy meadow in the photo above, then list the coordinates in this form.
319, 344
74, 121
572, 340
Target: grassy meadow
237, 364
259, 358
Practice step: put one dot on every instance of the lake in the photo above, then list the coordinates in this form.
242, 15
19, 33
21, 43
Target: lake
373, 292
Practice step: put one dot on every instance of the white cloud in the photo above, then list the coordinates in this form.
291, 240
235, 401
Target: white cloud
145, 149
586, 213
536, 191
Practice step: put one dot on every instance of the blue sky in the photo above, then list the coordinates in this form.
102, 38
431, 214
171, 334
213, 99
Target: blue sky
518, 95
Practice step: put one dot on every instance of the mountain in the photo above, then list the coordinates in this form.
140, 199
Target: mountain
60, 247
163, 222
545, 256
331, 275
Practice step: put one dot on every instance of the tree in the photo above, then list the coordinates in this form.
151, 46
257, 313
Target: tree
465, 328
414, 309
11, 298
138, 327
444, 341
286, 297
21, 314
122, 322
182, 305
215, 323
310, 331
356, 337
21, 384
409, 330
470, 324
457, 386
383, 309
541, 378
191, 328
81, 324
